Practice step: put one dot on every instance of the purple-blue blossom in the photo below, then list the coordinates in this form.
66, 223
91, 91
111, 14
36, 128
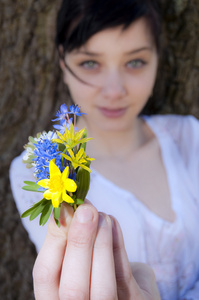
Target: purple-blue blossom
62, 113
44, 151
63, 125
75, 110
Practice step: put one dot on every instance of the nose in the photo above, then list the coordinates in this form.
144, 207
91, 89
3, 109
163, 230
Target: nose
113, 87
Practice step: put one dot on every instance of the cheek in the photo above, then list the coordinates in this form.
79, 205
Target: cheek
81, 95
142, 87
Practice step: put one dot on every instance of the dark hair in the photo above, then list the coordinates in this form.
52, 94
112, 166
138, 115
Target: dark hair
78, 20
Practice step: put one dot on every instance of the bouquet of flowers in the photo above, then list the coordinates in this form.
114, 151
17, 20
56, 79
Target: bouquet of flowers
61, 166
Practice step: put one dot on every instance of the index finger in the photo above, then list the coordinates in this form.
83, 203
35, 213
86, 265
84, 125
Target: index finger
47, 268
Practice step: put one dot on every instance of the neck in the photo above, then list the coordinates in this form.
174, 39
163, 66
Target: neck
118, 144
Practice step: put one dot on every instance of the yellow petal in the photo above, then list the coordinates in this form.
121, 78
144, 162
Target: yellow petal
47, 195
71, 153
54, 170
56, 199
70, 185
75, 164
85, 168
55, 203
59, 135
80, 134
90, 159
59, 141
80, 153
66, 156
67, 198
85, 140
72, 131
65, 174
44, 183
82, 160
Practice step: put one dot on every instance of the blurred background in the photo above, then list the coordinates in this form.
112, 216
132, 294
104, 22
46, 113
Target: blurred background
31, 91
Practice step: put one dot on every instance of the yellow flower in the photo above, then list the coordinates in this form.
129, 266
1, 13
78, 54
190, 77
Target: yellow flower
70, 138
78, 160
57, 185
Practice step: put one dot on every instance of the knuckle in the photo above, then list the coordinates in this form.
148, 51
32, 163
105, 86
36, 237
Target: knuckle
42, 274
108, 296
102, 244
57, 233
117, 248
80, 241
105, 295
72, 294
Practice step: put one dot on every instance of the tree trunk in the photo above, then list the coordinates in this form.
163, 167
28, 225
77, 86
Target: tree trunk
31, 90
179, 70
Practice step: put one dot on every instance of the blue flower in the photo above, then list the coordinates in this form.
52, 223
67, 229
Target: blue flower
63, 125
45, 151
62, 114
75, 110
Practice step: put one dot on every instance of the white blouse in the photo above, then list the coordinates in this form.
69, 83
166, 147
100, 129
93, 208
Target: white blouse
172, 249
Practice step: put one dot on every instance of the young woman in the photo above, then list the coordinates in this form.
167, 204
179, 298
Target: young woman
145, 174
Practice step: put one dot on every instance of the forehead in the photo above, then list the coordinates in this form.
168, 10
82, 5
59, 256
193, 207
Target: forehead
137, 35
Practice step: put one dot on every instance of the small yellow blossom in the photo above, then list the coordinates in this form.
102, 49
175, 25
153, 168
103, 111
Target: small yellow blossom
70, 138
78, 160
58, 185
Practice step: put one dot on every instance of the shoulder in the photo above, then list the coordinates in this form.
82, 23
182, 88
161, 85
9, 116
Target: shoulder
183, 133
169, 121
180, 128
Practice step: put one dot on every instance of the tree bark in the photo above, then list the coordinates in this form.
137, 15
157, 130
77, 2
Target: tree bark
179, 70
31, 91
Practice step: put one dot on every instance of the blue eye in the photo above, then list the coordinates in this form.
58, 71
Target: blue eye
90, 64
136, 63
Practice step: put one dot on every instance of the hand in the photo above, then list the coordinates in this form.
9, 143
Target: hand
86, 259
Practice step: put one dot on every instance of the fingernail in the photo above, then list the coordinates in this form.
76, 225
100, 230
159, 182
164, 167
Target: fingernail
63, 216
102, 220
66, 214
113, 224
84, 214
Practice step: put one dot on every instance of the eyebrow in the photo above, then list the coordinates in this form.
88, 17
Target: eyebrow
147, 48
95, 54
88, 53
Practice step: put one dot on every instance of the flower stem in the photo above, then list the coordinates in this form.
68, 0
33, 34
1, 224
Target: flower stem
75, 121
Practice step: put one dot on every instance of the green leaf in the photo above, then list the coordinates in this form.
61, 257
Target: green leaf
30, 182
45, 213
38, 210
57, 212
83, 179
30, 210
27, 212
31, 189
57, 222
61, 147
83, 145
79, 201
31, 186
32, 140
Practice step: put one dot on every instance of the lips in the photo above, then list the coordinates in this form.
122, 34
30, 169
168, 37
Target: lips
112, 113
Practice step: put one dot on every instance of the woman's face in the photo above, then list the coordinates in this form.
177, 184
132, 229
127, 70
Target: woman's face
120, 67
